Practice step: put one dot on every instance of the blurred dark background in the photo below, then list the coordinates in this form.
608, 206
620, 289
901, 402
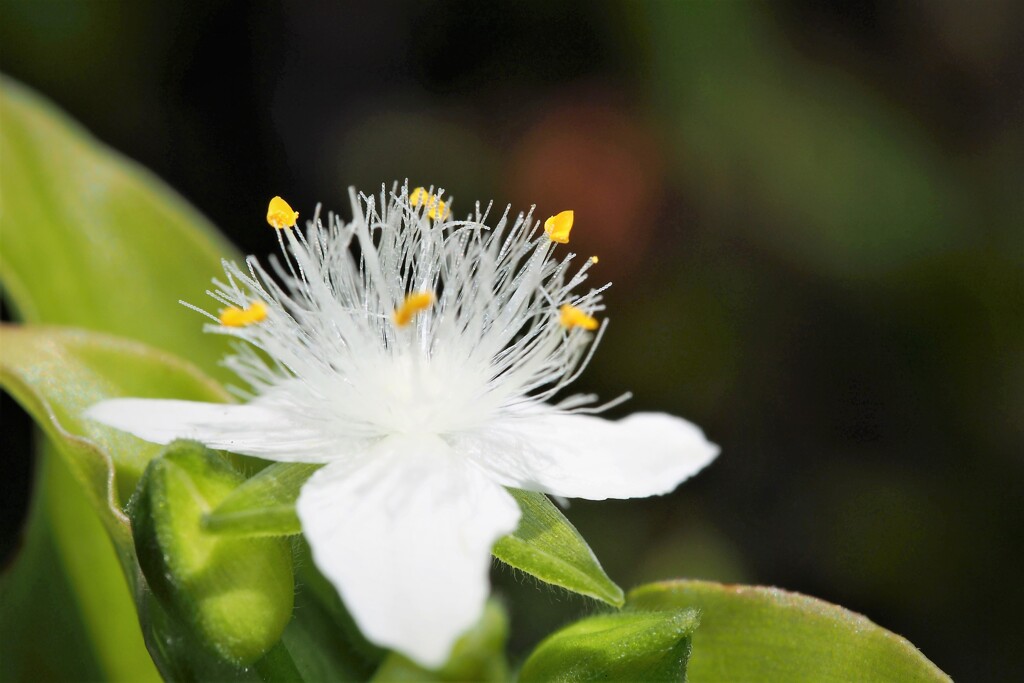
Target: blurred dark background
813, 215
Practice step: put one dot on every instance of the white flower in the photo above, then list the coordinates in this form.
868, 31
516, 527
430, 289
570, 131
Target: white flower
419, 367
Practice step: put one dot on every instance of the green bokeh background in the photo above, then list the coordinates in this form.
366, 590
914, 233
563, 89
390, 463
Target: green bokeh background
813, 216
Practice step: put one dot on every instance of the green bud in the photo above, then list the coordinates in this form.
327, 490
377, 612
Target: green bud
626, 646
235, 593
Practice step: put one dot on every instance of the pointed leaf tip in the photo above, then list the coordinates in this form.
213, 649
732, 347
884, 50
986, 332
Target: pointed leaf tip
547, 546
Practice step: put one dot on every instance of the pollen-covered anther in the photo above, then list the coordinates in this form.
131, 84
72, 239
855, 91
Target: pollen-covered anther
558, 226
280, 214
594, 259
436, 209
413, 304
571, 317
240, 317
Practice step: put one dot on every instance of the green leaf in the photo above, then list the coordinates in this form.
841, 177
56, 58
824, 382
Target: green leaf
264, 505
91, 239
627, 646
235, 592
749, 633
546, 545
477, 656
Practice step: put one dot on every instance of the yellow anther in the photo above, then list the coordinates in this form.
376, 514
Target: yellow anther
594, 259
436, 209
558, 226
413, 304
280, 214
418, 196
240, 317
571, 317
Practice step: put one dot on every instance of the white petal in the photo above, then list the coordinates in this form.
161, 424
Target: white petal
581, 456
249, 429
405, 535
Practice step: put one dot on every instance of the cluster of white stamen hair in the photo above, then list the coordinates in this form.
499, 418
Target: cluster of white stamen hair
491, 344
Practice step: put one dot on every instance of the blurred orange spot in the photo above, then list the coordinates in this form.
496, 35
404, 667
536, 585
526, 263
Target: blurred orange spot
602, 160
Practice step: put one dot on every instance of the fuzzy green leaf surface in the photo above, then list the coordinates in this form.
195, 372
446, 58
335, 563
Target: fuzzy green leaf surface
626, 646
264, 505
235, 592
751, 633
546, 545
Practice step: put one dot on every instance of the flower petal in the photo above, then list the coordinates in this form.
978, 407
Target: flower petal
580, 456
405, 533
250, 429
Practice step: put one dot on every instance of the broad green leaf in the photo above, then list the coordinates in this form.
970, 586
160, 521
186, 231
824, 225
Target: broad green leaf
546, 545
93, 240
626, 646
235, 592
750, 633
477, 656
264, 505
